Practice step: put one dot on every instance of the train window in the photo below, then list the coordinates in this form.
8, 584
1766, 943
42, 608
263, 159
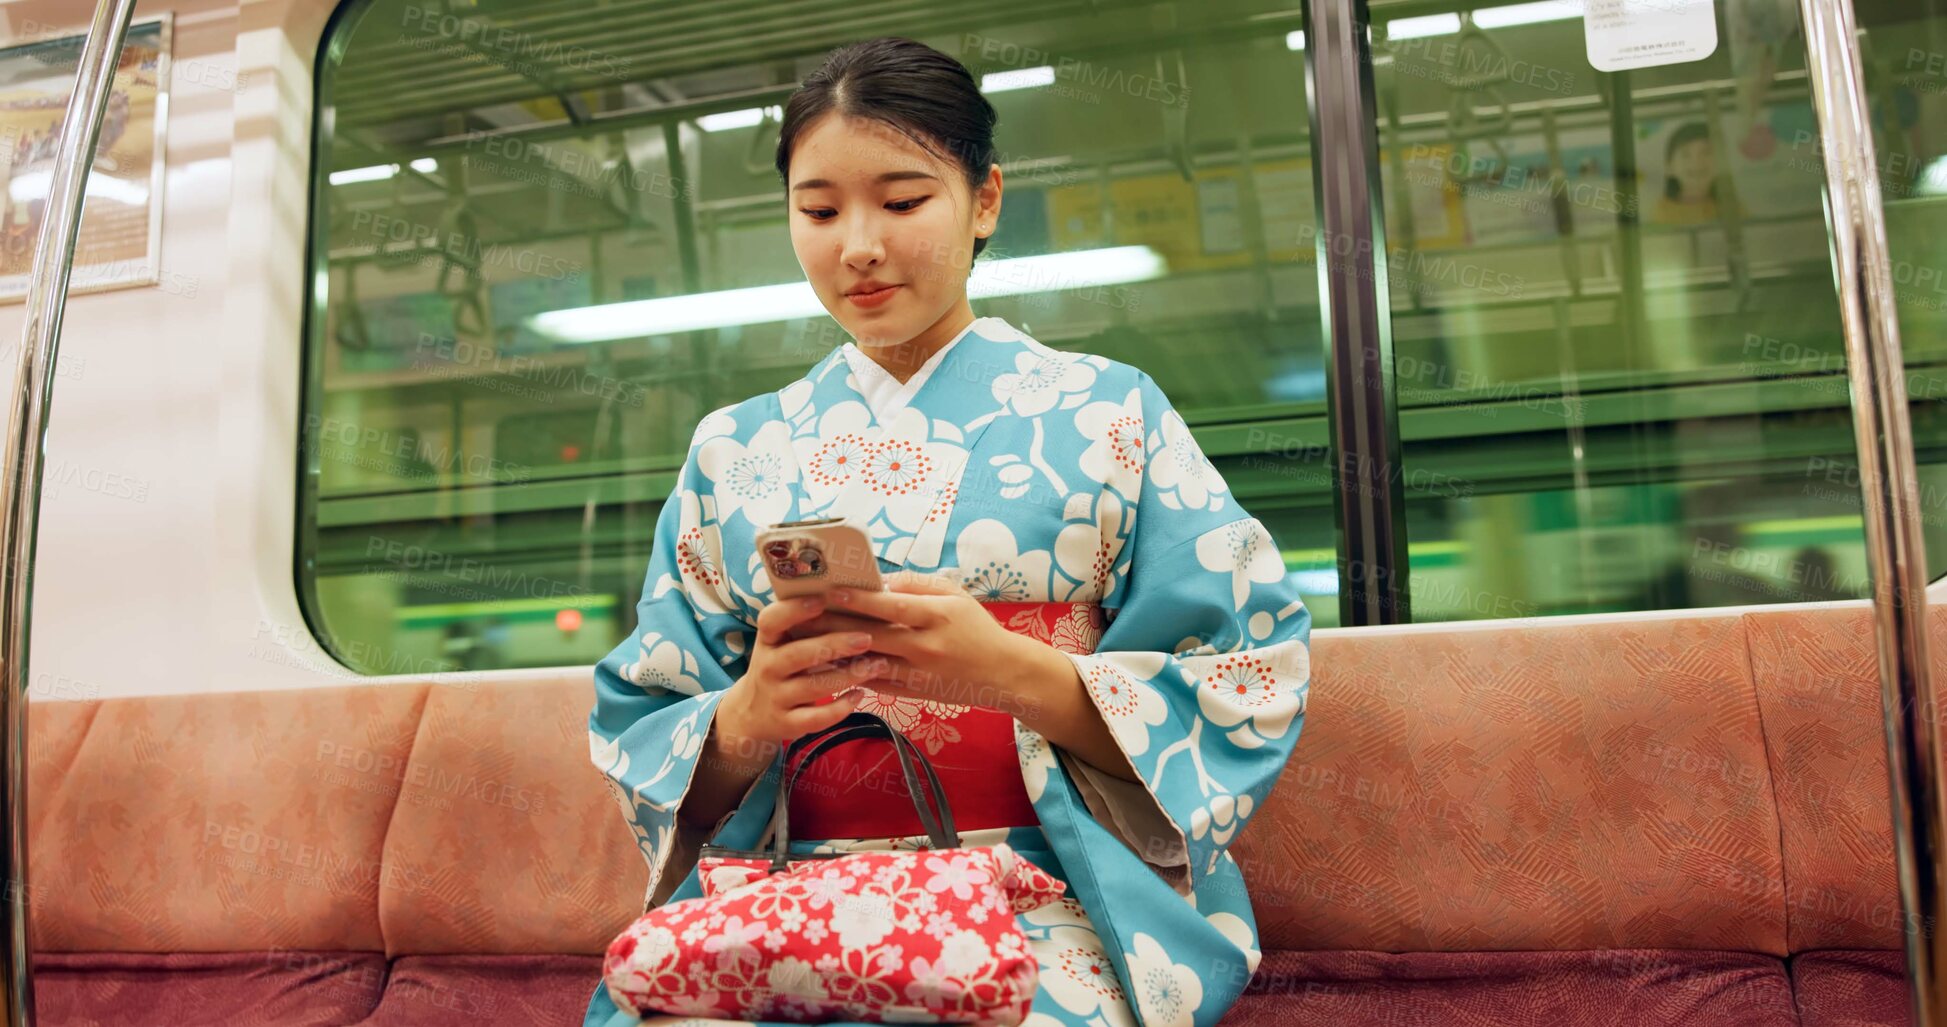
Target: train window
1620, 370
481, 483
1906, 75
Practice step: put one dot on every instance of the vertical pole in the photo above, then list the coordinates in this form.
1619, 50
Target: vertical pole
1369, 500
46, 296
1883, 434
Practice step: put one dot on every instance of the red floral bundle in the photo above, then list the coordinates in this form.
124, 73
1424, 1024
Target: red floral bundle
907, 936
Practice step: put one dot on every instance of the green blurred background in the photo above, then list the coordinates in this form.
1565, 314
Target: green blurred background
1620, 377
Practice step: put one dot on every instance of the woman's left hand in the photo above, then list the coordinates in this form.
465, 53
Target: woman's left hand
941, 644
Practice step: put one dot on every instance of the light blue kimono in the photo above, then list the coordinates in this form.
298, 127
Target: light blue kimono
1041, 476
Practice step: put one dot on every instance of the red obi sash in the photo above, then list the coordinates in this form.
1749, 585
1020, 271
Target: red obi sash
855, 790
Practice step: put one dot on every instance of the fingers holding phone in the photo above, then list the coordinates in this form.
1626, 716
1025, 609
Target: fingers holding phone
804, 558
809, 558
796, 686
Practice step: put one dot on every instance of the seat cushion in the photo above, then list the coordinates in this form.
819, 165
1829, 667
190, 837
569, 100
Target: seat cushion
1825, 738
505, 841
222, 822
1615, 988
206, 989
1590, 988
1583, 786
1852, 988
470, 990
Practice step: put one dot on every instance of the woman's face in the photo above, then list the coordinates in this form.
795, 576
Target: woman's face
1693, 166
883, 228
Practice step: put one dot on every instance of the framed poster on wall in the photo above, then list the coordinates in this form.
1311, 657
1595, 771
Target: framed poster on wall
121, 221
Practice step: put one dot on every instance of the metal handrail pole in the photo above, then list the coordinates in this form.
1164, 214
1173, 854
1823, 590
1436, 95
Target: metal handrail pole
46, 297
1889, 484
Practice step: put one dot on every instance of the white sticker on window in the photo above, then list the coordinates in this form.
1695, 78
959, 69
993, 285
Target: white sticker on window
1625, 34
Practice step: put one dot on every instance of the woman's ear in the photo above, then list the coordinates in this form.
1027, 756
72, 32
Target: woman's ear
987, 203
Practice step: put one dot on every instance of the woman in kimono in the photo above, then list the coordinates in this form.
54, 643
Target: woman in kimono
1093, 642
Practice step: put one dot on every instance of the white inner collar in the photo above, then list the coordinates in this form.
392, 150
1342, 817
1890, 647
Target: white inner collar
885, 395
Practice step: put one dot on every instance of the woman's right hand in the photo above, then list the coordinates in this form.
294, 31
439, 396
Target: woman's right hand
778, 698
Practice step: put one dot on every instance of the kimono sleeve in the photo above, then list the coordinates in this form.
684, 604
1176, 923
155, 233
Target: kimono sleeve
1203, 672
656, 694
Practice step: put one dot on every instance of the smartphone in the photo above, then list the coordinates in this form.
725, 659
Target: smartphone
805, 558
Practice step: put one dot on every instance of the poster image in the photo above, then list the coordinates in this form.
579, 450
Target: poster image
1278, 196
121, 221
1595, 200
1683, 182
1284, 201
1689, 177
391, 333
1203, 224
1520, 200
1429, 192
516, 300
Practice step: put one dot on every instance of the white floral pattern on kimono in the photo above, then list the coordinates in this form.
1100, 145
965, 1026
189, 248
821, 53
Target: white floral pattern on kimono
1034, 475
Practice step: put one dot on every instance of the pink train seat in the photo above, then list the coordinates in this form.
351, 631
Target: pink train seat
1617, 820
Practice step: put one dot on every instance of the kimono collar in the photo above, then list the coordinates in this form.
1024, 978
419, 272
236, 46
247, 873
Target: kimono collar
882, 392
897, 478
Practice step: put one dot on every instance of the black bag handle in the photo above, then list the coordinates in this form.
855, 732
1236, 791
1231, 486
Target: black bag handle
937, 821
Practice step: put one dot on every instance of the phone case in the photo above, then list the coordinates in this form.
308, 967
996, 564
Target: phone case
807, 557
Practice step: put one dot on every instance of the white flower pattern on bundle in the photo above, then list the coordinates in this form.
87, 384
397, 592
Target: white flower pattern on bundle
887, 937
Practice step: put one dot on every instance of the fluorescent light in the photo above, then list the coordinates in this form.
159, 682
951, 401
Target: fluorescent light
696, 312
764, 304
738, 119
490, 607
1314, 583
1020, 78
1295, 40
34, 185
1419, 28
1933, 181
1438, 547
1053, 272
135, 193
1487, 18
371, 174
1528, 14
1801, 525
379, 172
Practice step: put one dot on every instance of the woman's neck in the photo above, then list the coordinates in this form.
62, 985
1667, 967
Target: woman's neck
902, 360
